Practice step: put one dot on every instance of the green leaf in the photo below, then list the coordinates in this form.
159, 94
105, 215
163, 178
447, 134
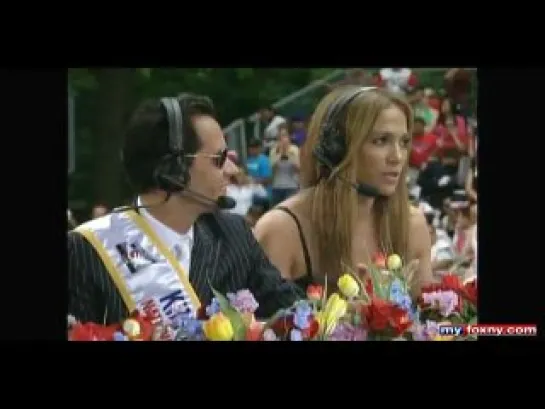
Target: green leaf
232, 314
375, 278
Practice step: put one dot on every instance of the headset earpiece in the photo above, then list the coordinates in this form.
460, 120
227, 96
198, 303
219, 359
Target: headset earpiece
172, 171
331, 149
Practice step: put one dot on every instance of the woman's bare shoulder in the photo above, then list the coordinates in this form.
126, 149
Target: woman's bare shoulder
274, 224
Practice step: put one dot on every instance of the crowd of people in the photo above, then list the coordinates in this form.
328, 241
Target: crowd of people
442, 177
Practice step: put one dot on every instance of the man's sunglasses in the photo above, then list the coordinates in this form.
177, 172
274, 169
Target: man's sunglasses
218, 159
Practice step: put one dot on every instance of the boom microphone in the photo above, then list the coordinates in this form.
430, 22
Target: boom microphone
222, 202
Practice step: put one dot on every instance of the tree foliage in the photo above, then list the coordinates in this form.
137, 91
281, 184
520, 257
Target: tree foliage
105, 98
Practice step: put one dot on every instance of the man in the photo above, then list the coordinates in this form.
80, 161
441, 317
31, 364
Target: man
270, 117
174, 247
285, 162
442, 252
424, 145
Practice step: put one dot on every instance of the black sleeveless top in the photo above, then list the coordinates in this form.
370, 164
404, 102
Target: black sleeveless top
307, 279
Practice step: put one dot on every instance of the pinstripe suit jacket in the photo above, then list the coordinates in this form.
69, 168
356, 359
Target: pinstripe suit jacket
224, 253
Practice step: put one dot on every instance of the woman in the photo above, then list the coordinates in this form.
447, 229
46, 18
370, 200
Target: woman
451, 130
284, 157
328, 225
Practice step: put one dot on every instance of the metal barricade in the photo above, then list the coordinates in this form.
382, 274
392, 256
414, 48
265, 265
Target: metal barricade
235, 135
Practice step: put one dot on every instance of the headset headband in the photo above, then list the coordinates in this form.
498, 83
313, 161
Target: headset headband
336, 107
175, 124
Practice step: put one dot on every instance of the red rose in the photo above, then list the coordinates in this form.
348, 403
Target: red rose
451, 282
376, 314
91, 332
315, 292
381, 315
282, 325
311, 331
399, 320
469, 292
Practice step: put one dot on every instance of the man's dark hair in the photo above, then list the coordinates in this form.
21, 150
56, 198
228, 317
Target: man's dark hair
146, 139
255, 143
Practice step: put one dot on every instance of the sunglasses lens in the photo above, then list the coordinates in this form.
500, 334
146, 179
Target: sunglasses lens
220, 160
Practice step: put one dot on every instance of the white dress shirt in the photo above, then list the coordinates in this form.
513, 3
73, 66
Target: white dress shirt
180, 244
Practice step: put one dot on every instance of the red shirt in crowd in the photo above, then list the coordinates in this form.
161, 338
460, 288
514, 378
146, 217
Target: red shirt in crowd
447, 140
423, 146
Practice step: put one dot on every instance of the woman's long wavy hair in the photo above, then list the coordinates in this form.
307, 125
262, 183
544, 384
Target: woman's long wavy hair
334, 205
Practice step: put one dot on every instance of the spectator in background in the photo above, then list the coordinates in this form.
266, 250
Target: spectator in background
438, 178
451, 130
465, 221
272, 120
396, 80
258, 165
285, 163
433, 100
421, 108
243, 189
448, 220
99, 210
442, 252
472, 181
458, 88
298, 130
423, 146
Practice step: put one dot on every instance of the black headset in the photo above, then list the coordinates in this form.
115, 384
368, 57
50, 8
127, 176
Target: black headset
172, 172
331, 148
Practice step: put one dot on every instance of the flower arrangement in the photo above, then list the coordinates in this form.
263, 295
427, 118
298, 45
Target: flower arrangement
378, 308
225, 319
449, 303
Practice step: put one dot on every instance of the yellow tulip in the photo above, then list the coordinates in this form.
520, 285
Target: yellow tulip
218, 328
348, 286
394, 262
334, 310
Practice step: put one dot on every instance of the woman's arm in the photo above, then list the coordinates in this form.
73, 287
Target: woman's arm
294, 158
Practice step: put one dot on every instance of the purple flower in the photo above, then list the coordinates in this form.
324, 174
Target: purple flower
243, 301
213, 308
345, 331
444, 301
419, 332
296, 335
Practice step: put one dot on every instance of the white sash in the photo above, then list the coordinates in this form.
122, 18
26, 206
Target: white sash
144, 270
